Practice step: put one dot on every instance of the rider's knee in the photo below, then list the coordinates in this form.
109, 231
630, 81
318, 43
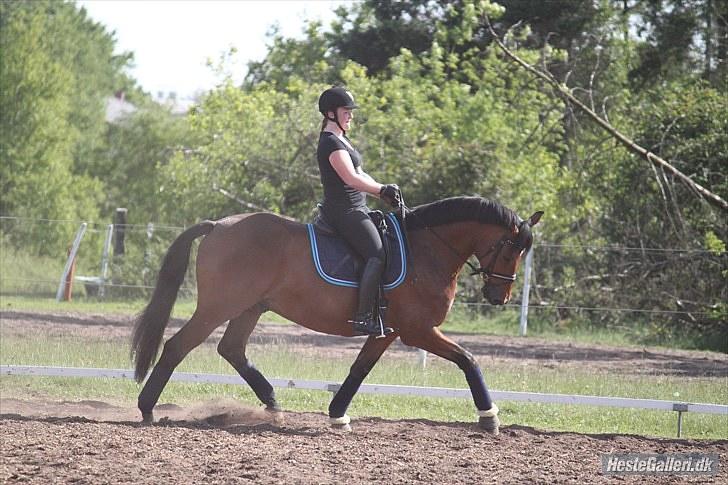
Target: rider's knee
376, 260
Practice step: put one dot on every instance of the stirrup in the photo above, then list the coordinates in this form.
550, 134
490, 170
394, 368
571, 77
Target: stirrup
368, 326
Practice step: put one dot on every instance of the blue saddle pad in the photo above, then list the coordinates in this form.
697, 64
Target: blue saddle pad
337, 264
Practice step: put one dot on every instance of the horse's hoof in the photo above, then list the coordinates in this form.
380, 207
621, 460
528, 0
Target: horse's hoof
341, 423
489, 424
273, 408
147, 417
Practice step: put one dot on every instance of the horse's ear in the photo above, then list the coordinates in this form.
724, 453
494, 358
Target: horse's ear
533, 220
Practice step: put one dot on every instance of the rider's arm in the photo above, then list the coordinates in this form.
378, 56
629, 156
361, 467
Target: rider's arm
341, 162
364, 174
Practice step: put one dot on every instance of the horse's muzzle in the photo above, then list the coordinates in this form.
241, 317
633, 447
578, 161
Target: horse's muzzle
494, 299
491, 296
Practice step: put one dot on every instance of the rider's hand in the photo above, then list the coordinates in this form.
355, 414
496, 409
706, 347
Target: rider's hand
391, 194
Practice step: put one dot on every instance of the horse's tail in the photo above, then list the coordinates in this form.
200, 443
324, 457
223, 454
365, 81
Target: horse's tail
149, 325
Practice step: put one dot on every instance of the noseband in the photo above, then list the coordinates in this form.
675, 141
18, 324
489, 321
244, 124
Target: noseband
488, 272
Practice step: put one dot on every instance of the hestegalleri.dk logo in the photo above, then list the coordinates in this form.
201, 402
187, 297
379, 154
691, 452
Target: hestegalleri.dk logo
648, 464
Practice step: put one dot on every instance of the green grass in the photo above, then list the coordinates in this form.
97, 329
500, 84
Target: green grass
283, 362
86, 305
506, 321
20, 272
461, 319
93, 305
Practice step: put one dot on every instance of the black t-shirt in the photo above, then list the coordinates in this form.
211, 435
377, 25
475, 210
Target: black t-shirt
337, 195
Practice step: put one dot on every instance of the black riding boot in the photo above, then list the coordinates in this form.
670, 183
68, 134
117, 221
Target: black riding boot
364, 321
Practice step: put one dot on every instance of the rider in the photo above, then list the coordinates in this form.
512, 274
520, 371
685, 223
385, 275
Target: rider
344, 206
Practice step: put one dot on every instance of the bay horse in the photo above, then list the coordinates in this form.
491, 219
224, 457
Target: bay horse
248, 264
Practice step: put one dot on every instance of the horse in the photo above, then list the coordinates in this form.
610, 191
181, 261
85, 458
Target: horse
251, 263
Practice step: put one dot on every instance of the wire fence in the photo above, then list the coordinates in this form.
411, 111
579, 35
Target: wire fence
624, 248
33, 252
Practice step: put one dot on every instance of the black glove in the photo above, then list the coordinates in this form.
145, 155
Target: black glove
391, 194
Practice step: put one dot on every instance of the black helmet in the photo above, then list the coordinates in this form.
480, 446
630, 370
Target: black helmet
333, 98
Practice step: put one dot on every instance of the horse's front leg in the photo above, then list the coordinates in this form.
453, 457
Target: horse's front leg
435, 342
368, 356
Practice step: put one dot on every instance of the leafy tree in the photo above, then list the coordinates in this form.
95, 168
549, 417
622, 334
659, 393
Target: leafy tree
136, 150
57, 67
371, 33
434, 134
254, 152
310, 60
37, 141
88, 49
647, 209
680, 38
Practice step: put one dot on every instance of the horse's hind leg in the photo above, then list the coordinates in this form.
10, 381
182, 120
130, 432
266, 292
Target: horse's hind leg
232, 348
194, 332
368, 356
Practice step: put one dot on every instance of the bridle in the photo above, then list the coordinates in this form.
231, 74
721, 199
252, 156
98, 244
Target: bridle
488, 272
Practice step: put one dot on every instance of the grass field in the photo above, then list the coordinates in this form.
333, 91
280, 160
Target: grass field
503, 321
281, 362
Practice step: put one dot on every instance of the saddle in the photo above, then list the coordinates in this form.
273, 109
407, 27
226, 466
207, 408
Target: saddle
337, 264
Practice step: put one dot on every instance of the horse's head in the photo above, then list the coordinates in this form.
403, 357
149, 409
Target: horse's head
500, 259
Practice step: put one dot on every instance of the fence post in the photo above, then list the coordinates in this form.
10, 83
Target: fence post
148, 252
119, 228
68, 286
105, 259
526, 291
680, 408
422, 358
69, 262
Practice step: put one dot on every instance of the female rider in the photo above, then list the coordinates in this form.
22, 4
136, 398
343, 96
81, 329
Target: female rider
344, 206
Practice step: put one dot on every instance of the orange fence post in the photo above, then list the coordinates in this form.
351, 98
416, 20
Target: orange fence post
68, 288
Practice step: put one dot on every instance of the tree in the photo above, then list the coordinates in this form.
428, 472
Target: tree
37, 143
688, 116
310, 60
374, 32
253, 152
680, 38
136, 150
57, 67
434, 134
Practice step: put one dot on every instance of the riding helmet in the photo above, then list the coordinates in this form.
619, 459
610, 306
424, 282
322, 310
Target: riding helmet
336, 97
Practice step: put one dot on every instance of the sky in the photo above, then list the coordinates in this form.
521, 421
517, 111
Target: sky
173, 39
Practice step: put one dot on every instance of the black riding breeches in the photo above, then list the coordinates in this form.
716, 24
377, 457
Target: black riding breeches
357, 228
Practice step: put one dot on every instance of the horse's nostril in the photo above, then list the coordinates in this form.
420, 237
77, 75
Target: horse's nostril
496, 301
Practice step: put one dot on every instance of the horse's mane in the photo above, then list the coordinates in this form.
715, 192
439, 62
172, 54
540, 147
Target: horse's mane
461, 209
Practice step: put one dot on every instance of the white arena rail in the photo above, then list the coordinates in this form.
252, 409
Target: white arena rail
531, 397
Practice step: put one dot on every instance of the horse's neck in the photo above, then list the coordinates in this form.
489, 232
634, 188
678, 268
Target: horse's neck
451, 244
